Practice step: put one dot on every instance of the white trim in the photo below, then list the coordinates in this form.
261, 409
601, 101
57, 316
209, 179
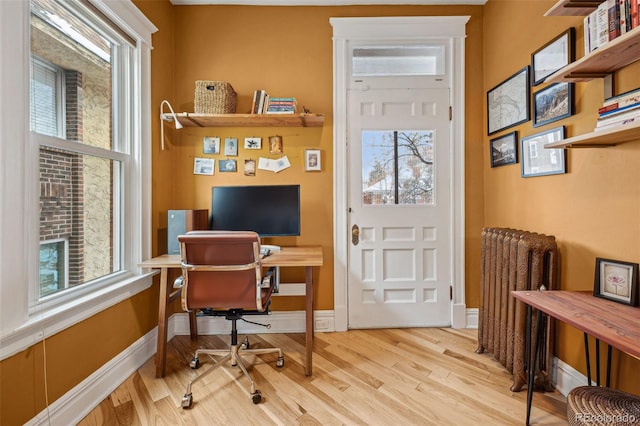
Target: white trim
472, 315
74, 405
397, 28
565, 377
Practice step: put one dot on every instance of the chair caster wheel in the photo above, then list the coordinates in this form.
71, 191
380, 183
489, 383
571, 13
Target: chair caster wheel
256, 397
245, 344
280, 362
195, 363
187, 400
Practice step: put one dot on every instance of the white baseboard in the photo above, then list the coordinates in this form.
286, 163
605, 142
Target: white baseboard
74, 405
565, 377
472, 317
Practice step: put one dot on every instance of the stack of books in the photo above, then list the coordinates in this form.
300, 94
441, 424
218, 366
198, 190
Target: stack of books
281, 106
264, 104
611, 19
619, 110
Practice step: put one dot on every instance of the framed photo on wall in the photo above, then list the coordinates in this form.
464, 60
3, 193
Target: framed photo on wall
616, 280
312, 160
508, 102
538, 161
554, 55
552, 103
504, 149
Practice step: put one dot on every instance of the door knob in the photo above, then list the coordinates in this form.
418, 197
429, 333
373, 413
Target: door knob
355, 235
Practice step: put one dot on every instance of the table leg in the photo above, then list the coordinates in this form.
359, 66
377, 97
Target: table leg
586, 355
161, 354
531, 373
309, 321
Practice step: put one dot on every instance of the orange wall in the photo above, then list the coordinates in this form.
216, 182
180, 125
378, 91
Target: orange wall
287, 51
594, 209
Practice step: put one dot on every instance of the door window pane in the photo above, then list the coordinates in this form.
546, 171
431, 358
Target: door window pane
398, 61
397, 167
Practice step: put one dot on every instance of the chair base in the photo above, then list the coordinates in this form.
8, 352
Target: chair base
234, 355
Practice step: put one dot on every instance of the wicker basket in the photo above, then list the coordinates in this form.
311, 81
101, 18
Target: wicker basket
214, 97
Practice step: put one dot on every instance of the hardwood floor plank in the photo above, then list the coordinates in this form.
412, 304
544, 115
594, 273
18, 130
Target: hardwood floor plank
420, 376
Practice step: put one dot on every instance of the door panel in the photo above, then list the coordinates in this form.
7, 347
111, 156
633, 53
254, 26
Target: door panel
399, 195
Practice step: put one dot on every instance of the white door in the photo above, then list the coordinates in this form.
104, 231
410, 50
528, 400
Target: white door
399, 194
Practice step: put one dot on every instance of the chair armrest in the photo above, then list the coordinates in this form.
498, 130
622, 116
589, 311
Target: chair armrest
270, 279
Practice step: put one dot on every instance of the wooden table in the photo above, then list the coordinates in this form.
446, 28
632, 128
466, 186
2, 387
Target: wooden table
307, 257
616, 324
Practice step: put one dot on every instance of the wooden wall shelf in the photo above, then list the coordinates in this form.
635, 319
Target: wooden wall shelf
616, 54
573, 8
188, 119
600, 138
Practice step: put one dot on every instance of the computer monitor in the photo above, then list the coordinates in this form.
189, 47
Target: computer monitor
269, 210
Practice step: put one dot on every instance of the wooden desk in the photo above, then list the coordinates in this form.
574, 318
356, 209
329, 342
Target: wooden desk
306, 257
615, 324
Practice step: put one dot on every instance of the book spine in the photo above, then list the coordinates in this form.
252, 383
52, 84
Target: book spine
622, 13
587, 33
630, 120
617, 118
631, 95
602, 25
613, 13
618, 109
634, 5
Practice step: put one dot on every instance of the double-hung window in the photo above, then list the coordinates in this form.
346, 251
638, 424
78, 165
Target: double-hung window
83, 78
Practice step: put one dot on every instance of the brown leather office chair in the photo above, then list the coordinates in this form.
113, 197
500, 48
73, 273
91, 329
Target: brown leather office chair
222, 276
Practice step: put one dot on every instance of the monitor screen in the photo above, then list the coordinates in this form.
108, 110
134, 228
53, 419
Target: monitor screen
269, 210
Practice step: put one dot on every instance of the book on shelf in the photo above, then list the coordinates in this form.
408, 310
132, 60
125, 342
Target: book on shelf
613, 14
634, 7
610, 20
623, 99
281, 106
627, 117
627, 121
617, 110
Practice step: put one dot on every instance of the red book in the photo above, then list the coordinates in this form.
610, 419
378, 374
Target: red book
634, 6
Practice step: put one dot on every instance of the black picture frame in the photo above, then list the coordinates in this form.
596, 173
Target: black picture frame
617, 281
535, 160
553, 103
504, 149
508, 102
553, 56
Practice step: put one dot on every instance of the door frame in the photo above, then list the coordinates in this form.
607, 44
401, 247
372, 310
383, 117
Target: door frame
346, 30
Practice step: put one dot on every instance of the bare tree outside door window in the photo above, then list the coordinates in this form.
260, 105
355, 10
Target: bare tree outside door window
397, 167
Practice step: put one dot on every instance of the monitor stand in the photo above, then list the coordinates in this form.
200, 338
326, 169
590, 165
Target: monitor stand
271, 247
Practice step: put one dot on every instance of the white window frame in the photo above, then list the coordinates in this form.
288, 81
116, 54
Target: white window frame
21, 327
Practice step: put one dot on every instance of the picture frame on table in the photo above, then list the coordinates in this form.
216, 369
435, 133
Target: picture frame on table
536, 160
508, 102
617, 281
553, 56
504, 149
312, 160
552, 103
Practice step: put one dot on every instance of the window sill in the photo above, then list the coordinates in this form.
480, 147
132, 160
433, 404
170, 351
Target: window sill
50, 321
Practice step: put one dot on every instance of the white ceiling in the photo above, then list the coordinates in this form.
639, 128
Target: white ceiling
326, 2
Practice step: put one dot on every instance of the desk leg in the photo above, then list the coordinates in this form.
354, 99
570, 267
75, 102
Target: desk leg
533, 356
161, 354
309, 321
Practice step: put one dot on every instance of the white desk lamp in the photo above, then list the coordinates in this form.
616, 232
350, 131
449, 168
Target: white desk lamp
176, 122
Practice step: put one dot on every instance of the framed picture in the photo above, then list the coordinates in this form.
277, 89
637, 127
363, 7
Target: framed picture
227, 166
616, 280
504, 149
508, 102
312, 160
203, 166
231, 146
249, 167
211, 145
552, 103
538, 161
252, 143
552, 56
275, 144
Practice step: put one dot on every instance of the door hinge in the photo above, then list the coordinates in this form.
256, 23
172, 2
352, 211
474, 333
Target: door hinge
450, 113
450, 292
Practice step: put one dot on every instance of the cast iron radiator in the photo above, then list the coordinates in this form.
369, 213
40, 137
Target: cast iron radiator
514, 260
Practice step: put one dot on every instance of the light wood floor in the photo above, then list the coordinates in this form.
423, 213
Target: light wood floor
417, 376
